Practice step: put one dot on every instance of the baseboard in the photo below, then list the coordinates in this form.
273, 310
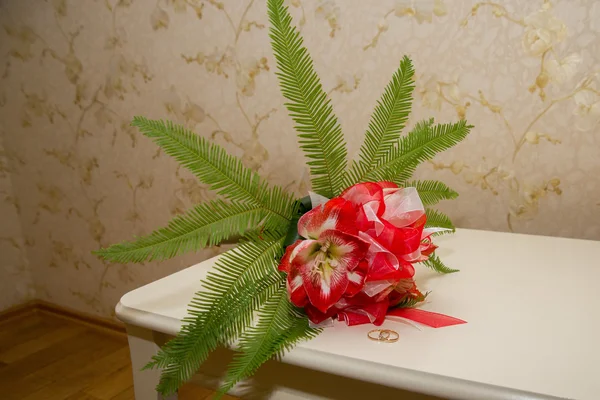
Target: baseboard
44, 307
17, 311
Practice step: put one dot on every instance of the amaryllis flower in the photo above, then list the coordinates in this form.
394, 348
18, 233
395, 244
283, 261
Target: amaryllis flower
318, 269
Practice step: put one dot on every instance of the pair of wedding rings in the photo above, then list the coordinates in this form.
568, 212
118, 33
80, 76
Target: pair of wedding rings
383, 335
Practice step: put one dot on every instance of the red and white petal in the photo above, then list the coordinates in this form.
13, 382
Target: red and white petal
347, 250
356, 281
324, 284
296, 292
336, 214
316, 317
325, 270
295, 288
325, 289
294, 282
286, 260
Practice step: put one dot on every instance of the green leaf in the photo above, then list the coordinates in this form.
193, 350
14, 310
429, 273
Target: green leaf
319, 132
277, 329
410, 302
387, 121
437, 265
438, 220
432, 192
299, 331
214, 166
423, 142
241, 281
204, 225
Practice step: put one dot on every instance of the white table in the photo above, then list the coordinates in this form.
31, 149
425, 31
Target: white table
533, 309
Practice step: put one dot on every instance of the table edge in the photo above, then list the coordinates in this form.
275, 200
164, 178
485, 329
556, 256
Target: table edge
394, 377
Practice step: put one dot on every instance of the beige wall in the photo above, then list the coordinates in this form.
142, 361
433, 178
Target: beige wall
525, 74
16, 281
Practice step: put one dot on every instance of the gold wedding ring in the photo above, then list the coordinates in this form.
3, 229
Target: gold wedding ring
383, 335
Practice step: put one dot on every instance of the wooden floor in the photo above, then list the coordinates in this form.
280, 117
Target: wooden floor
44, 357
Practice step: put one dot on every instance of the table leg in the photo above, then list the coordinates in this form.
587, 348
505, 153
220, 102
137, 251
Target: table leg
142, 346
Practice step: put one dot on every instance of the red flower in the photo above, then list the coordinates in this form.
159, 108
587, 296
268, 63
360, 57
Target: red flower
319, 268
357, 258
337, 214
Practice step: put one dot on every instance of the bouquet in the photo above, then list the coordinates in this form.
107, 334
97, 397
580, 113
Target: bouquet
355, 258
347, 251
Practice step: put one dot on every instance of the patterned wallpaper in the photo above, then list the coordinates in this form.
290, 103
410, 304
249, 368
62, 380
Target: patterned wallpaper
16, 282
73, 74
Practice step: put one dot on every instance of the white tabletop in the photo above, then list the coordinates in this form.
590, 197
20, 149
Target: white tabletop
533, 309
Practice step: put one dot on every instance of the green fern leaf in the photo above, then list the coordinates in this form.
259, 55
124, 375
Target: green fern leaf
423, 142
204, 225
432, 192
277, 330
299, 331
241, 281
437, 265
411, 302
438, 220
387, 121
212, 165
319, 132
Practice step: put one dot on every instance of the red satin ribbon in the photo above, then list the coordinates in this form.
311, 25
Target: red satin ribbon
429, 318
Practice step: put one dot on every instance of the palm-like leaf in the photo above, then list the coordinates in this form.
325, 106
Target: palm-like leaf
242, 280
387, 121
438, 219
320, 135
276, 330
432, 192
212, 165
437, 265
299, 331
423, 142
204, 225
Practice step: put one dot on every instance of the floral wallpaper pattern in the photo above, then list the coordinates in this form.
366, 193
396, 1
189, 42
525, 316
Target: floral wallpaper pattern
73, 74
16, 285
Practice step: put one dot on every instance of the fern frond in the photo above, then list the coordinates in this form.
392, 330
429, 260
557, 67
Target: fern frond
387, 121
241, 281
277, 330
437, 265
204, 225
212, 165
319, 132
432, 192
423, 142
438, 220
299, 331
410, 302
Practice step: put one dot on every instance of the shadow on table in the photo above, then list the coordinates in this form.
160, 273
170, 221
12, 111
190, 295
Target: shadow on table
276, 380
